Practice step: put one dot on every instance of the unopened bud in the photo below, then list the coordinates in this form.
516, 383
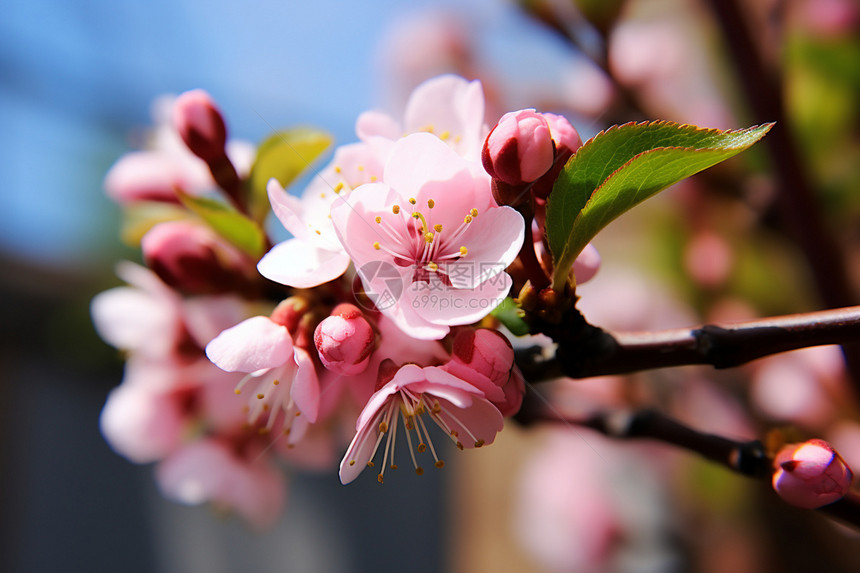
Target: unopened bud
519, 148
201, 125
192, 258
811, 474
345, 340
290, 311
485, 358
566, 141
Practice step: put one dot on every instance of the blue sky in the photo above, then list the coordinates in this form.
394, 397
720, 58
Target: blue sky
77, 77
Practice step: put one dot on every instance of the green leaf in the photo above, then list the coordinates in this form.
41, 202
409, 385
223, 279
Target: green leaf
621, 167
235, 227
284, 155
509, 314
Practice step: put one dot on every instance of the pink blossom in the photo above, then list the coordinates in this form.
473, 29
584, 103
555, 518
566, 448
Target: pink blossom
447, 106
811, 474
210, 470
314, 255
287, 387
433, 222
345, 340
457, 407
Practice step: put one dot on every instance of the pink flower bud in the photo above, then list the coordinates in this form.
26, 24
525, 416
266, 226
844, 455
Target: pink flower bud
345, 340
519, 149
811, 474
146, 176
193, 259
290, 311
485, 359
567, 141
201, 125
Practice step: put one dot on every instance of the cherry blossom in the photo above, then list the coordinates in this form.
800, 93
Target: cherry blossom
412, 392
433, 223
284, 375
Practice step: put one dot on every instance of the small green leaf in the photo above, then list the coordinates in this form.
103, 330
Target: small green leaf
621, 167
508, 313
140, 217
235, 227
284, 155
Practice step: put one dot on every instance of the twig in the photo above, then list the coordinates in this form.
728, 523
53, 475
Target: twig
747, 458
588, 351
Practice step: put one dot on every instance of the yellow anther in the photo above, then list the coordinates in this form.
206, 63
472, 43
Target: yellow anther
377, 246
322, 195
373, 178
379, 478
440, 464
428, 128
432, 266
422, 448
352, 462
394, 466
237, 391
419, 471
339, 187
395, 209
412, 200
467, 219
383, 427
266, 407
337, 169
370, 464
460, 446
473, 212
378, 219
318, 232
431, 203
360, 167
438, 227
263, 431
260, 396
445, 135
275, 382
428, 237
463, 251
479, 443
458, 138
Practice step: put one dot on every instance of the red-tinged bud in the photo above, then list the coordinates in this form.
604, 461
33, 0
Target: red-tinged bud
345, 340
289, 312
519, 149
485, 359
811, 474
193, 259
387, 370
201, 125
566, 141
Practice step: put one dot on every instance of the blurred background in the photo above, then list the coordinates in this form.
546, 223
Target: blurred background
772, 231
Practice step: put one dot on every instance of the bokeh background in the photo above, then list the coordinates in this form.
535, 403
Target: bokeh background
77, 84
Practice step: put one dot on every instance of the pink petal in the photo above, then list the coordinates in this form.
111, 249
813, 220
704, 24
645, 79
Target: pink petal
288, 210
493, 241
360, 450
449, 104
376, 124
481, 419
133, 320
253, 344
305, 390
442, 305
299, 264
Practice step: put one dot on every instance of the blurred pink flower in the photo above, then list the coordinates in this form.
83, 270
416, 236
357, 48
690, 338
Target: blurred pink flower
211, 470
433, 222
456, 406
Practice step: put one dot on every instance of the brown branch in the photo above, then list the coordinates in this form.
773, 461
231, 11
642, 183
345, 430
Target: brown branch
595, 352
747, 458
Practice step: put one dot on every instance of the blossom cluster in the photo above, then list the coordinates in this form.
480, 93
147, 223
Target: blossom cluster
371, 323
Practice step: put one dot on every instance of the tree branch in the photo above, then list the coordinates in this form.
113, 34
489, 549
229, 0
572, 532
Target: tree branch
747, 458
588, 351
